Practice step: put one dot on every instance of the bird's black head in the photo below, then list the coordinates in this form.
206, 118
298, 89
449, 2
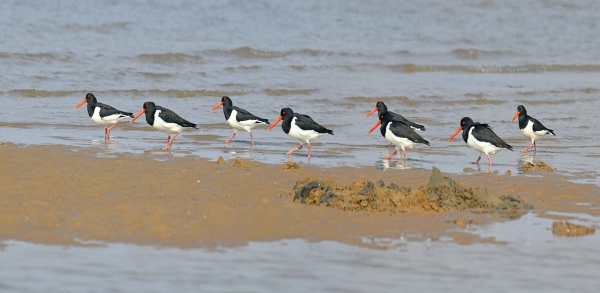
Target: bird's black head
521, 108
226, 100
286, 112
90, 97
385, 116
381, 107
148, 106
466, 122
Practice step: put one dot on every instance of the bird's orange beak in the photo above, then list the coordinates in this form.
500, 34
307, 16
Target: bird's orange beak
516, 115
275, 123
376, 124
138, 115
217, 106
370, 113
80, 104
457, 132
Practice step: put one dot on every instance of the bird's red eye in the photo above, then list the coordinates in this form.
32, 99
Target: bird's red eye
283, 112
463, 123
381, 117
378, 104
145, 105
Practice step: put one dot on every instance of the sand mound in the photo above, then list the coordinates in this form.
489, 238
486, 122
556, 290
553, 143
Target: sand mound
245, 164
441, 193
289, 165
570, 230
541, 166
444, 191
361, 196
221, 161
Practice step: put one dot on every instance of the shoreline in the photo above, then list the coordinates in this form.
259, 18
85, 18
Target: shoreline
53, 195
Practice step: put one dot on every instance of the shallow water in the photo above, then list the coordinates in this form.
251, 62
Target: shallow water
434, 62
533, 260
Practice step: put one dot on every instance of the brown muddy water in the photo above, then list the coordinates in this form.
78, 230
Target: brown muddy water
531, 260
432, 61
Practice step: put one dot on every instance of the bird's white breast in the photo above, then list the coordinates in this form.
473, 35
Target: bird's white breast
246, 125
532, 135
303, 135
402, 142
164, 126
106, 121
481, 146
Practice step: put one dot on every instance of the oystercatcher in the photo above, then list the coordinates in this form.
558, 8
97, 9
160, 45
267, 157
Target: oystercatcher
238, 118
300, 127
398, 133
481, 138
164, 120
381, 108
530, 127
102, 114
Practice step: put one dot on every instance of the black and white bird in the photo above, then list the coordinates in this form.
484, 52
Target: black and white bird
238, 118
102, 114
530, 127
380, 107
300, 127
481, 138
398, 133
164, 120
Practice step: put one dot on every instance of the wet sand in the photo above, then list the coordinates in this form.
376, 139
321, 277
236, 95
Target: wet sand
54, 195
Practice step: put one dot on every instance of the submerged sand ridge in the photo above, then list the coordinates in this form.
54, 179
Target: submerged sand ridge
51, 194
564, 228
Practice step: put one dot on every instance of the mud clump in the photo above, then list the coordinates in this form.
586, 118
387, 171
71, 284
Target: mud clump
362, 196
289, 165
220, 161
245, 164
445, 192
565, 228
541, 166
441, 193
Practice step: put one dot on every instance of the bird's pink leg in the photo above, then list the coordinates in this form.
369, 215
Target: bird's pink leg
479, 158
404, 151
293, 150
230, 138
107, 131
527, 148
489, 160
534, 148
170, 142
308, 150
251, 138
390, 155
